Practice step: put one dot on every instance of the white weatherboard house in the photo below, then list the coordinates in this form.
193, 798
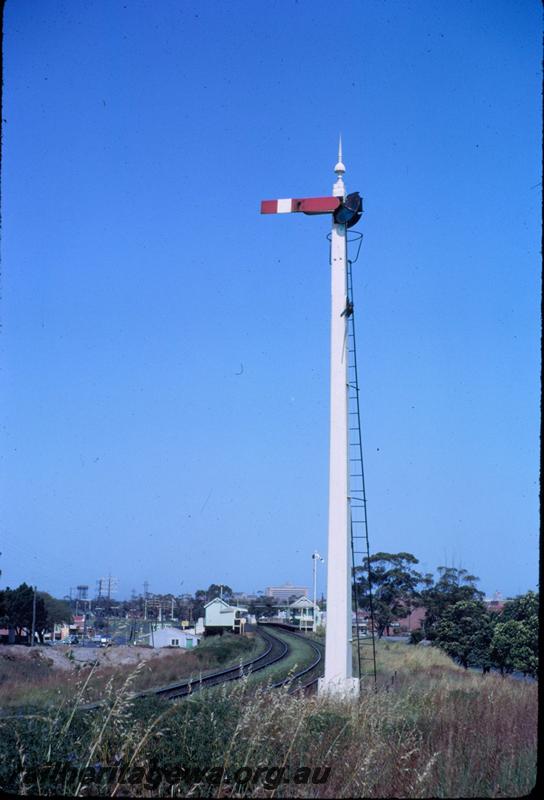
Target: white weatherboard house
171, 637
219, 615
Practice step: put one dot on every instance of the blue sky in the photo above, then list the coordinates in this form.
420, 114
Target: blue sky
165, 347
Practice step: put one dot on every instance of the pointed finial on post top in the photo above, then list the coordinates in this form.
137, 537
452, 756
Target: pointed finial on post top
339, 190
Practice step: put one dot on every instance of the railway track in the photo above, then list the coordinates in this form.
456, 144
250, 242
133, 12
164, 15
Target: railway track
276, 651
306, 679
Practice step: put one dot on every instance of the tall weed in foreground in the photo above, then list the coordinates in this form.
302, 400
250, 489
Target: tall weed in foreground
446, 734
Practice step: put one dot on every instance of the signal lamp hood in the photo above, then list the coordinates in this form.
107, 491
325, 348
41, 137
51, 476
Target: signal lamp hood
350, 210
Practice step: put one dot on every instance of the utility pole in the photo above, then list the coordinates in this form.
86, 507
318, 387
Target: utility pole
33, 633
146, 587
346, 211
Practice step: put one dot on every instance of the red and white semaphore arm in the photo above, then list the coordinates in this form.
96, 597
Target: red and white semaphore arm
308, 205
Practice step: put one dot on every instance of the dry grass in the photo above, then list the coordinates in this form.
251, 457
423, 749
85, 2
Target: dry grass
35, 682
430, 730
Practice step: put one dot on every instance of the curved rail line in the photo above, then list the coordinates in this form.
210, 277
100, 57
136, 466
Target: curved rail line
294, 680
275, 651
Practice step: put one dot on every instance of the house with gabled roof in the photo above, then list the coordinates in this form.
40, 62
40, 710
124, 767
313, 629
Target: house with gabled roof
303, 613
219, 616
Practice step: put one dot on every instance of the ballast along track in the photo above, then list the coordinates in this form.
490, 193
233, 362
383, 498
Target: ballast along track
275, 651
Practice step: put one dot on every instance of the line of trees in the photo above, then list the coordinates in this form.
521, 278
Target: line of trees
17, 609
456, 617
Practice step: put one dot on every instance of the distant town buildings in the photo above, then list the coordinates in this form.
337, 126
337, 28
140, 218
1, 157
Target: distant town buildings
412, 621
238, 596
495, 603
286, 592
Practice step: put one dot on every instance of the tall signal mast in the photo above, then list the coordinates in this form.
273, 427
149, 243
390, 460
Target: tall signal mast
346, 211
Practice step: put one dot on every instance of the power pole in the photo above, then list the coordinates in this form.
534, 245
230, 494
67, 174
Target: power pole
33, 633
146, 587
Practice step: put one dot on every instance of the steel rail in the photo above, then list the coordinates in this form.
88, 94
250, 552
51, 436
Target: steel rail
318, 649
275, 651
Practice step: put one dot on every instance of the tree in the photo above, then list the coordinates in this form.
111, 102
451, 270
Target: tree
18, 610
55, 612
394, 584
464, 632
3, 607
524, 607
453, 586
201, 598
514, 646
220, 590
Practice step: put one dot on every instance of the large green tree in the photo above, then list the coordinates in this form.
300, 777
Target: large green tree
514, 646
18, 609
464, 632
56, 611
523, 608
394, 582
453, 586
220, 590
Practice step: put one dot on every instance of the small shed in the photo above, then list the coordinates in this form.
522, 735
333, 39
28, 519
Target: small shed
171, 637
219, 616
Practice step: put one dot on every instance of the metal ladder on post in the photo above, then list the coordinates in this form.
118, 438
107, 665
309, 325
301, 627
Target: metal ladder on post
360, 547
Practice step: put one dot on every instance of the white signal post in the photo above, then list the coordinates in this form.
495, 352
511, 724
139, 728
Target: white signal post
338, 677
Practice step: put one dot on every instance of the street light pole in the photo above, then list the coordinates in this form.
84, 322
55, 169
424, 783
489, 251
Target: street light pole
315, 558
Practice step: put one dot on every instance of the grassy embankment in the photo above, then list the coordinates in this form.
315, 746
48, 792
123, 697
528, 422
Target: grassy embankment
431, 730
34, 681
